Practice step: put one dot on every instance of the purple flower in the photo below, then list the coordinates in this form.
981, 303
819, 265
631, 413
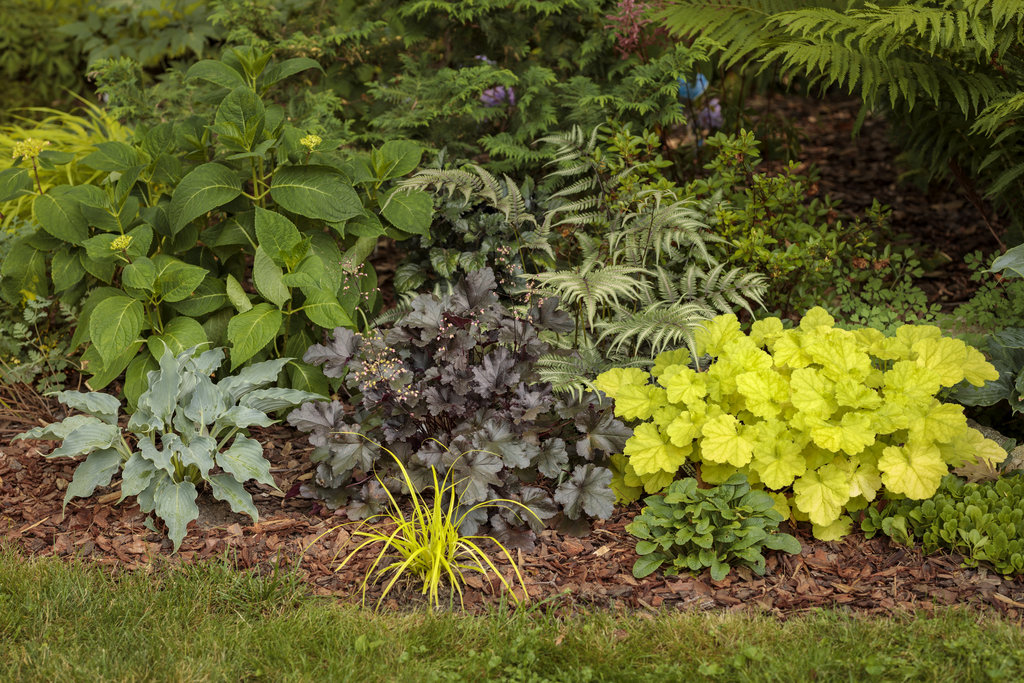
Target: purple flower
710, 116
498, 96
691, 91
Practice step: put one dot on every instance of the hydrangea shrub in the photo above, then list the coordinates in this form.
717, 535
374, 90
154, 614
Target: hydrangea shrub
822, 418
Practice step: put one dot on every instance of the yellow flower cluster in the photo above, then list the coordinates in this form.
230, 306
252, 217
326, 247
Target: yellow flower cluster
29, 148
122, 242
311, 141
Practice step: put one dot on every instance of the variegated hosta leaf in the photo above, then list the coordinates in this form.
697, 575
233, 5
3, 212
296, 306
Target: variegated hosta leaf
103, 406
97, 470
225, 487
269, 400
244, 460
255, 376
88, 437
58, 430
175, 503
137, 474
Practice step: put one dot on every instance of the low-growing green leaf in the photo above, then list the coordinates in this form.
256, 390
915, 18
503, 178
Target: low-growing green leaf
175, 504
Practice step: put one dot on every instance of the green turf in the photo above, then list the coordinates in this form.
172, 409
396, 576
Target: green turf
64, 621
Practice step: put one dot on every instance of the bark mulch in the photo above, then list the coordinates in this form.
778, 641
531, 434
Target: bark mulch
870, 576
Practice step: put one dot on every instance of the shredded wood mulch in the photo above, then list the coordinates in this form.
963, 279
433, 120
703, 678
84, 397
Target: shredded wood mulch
871, 576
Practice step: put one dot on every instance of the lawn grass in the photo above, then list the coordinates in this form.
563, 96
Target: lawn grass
69, 621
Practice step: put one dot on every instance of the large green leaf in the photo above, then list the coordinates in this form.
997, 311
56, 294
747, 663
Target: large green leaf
105, 372
24, 273
175, 503
216, 72
135, 382
97, 470
250, 331
59, 213
244, 461
113, 156
323, 309
236, 295
179, 334
1012, 261
396, 159
306, 377
410, 211
240, 119
103, 406
114, 325
177, 280
225, 487
267, 276
289, 67
276, 234
209, 296
140, 274
204, 188
14, 182
318, 192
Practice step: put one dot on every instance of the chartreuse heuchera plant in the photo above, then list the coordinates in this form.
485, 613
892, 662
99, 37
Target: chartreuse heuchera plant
823, 418
193, 420
693, 528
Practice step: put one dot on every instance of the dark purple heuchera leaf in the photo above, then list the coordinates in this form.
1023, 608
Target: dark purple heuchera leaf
530, 402
588, 490
519, 334
516, 537
472, 520
602, 433
499, 438
548, 316
476, 472
474, 293
350, 451
541, 503
426, 316
321, 419
335, 355
372, 499
552, 458
496, 373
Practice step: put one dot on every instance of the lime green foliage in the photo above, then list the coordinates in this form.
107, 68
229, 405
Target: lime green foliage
949, 73
194, 420
725, 526
982, 521
776, 224
71, 137
159, 245
822, 417
428, 542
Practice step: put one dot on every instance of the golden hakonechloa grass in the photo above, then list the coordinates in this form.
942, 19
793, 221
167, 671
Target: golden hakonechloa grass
426, 542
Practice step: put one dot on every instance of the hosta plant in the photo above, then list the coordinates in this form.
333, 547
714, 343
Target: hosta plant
188, 432
721, 527
458, 372
821, 417
982, 521
427, 542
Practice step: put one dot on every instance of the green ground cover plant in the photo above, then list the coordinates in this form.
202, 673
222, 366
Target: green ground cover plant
821, 417
983, 521
193, 419
719, 527
63, 620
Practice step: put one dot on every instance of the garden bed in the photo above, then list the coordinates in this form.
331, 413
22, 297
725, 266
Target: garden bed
870, 576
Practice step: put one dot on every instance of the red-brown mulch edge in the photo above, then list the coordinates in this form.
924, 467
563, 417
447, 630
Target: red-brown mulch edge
869, 576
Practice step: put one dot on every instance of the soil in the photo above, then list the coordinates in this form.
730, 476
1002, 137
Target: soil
872, 576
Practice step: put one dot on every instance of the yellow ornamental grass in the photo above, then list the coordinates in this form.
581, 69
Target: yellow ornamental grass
821, 417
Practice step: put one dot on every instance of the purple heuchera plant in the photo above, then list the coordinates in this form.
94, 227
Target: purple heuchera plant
710, 115
452, 384
498, 96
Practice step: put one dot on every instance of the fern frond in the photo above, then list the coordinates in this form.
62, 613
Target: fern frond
593, 286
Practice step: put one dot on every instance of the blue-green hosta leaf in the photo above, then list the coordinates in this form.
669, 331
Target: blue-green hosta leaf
269, 400
114, 325
86, 438
161, 398
97, 470
241, 417
1012, 260
137, 474
58, 430
207, 402
146, 497
256, 376
588, 490
144, 422
317, 192
250, 331
225, 487
203, 189
244, 461
175, 503
160, 458
103, 406
198, 451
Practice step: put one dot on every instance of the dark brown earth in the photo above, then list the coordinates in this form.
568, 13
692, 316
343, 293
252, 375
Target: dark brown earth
863, 575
